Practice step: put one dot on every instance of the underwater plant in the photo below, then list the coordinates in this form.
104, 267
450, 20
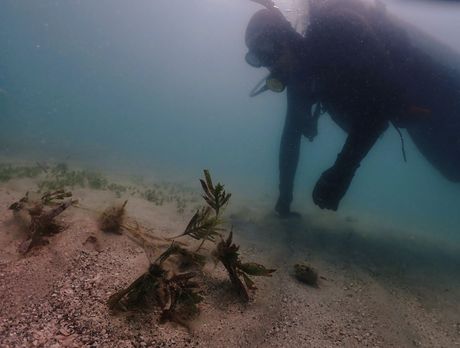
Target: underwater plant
20, 204
112, 218
42, 221
47, 198
187, 258
181, 204
203, 226
206, 226
8, 172
142, 236
183, 300
140, 292
215, 196
60, 176
227, 253
154, 196
96, 181
118, 189
50, 197
176, 294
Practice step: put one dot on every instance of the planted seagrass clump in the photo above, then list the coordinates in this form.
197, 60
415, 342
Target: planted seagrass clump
177, 295
227, 253
184, 258
112, 219
208, 225
33, 201
40, 215
169, 282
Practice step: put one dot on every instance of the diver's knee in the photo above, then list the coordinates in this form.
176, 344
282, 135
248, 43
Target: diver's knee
452, 176
454, 179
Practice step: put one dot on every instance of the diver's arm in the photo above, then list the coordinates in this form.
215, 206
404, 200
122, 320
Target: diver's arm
297, 107
358, 144
334, 182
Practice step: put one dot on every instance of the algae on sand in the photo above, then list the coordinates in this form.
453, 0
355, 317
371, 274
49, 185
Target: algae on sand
112, 218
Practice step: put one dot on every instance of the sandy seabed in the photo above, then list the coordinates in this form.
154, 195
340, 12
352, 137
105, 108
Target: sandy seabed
375, 290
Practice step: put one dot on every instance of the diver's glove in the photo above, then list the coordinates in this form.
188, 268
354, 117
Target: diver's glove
310, 129
332, 186
310, 124
282, 208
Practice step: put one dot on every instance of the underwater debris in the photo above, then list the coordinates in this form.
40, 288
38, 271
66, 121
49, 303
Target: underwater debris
306, 274
227, 253
93, 242
42, 224
112, 218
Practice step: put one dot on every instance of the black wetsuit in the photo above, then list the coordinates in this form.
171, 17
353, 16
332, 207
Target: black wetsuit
364, 72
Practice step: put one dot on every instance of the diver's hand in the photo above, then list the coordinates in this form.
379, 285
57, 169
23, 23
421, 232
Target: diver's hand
331, 187
310, 126
284, 211
310, 130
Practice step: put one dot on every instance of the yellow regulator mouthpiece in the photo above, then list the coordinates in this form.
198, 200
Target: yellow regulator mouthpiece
275, 85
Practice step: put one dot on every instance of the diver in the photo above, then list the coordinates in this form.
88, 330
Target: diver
359, 64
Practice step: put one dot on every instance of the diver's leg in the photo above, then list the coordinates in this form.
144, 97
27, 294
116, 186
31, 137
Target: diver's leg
439, 141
